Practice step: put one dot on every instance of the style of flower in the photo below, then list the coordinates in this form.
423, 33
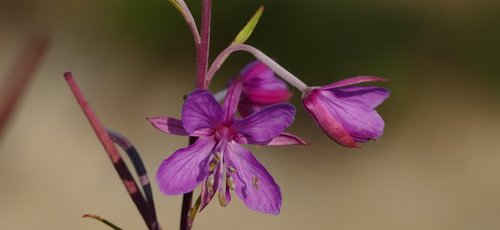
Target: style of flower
347, 113
216, 160
261, 88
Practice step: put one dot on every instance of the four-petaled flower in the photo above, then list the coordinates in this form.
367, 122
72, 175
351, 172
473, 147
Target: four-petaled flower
216, 160
347, 113
261, 88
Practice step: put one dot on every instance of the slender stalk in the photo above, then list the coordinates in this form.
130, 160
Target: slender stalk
186, 203
112, 151
280, 71
20, 75
203, 49
202, 54
186, 207
188, 17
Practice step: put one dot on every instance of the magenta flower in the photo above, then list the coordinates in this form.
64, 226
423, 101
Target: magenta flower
347, 113
216, 160
260, 88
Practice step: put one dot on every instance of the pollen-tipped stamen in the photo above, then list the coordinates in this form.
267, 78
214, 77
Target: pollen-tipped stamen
210, 185
231, 169
230, 182
255, 182
222, 183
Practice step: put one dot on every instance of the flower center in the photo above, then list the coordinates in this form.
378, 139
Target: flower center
225, 132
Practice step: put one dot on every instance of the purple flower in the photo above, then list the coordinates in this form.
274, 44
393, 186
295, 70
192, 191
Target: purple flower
347, 113
260, 88
216, 160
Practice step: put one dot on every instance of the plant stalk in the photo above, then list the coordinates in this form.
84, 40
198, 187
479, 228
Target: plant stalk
273, 65
203, 48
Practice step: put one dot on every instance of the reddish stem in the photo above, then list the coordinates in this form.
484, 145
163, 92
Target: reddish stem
114, 155
203, 47
202, 53
20, 75
275, 67
187, 200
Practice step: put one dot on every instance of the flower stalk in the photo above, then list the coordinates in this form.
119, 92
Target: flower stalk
187, 200
202, 54
188, 17
112, 151
204, 46
273, 65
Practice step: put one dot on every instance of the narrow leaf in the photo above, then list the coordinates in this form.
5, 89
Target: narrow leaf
120, 166
245, 33
104, 221
142, 174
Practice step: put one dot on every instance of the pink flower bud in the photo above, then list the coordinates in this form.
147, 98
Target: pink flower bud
347, 113
260, 88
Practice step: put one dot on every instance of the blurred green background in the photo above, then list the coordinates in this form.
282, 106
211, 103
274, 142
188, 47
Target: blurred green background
436, 167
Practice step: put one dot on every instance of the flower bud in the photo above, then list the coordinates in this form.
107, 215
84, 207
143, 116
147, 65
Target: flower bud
347, 113
260, 88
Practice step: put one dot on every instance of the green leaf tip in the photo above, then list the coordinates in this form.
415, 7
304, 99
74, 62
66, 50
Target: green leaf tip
104, 221
194, 209
177, 6
245, 33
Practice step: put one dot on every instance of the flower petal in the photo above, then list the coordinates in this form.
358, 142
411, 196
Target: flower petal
264, 97
315, 104
168, 125
256, 70
185, 168
253, 184
201, 111
231, 100
266, 124
352, 81
261, 87
368, 95
354, 109
282, 139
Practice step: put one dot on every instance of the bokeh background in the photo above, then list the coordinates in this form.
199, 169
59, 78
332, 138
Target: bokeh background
436, 167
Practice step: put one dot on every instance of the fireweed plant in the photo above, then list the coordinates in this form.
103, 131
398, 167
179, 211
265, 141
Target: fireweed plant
215, 159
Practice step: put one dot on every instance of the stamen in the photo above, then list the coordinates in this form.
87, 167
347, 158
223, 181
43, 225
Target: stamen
212, 166
210, 190
217, 156
255, 182
210, 185
222, 184
231, 169
214, 162
222, 198
230, 182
